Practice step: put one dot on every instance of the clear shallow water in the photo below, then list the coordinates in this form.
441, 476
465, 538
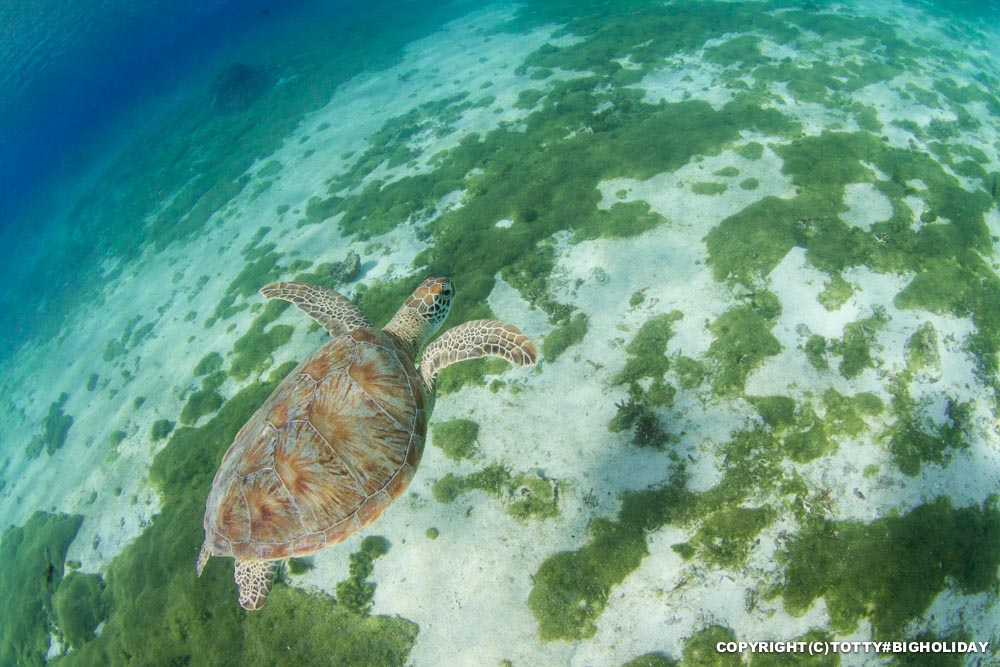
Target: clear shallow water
753, 242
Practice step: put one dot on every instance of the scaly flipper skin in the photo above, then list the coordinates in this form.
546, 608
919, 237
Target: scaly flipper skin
254, 577
332, 310
475, 339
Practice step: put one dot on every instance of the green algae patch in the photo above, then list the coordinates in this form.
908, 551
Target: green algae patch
79, 607
571, 588
200, 403
914, 443
922, 351
891, 570
778, 412
55, 428
33, 558
805, 437
252, 351
647, 358
743, 341
525, 495
684, 550
856, 345
456, 438
751, 151
815, 349
210, 363
651, 660
116, 438
160, 612
314, 631
160, 429
845, 414
356, 593
570, 332
647, 351
131, 336
708, 188
700, 651
725, 537
622, 220
835, 294
300, 565
690, 372
750, 243
808, 443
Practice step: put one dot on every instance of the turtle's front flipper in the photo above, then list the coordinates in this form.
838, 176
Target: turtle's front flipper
478, 338
334, 311
254, 577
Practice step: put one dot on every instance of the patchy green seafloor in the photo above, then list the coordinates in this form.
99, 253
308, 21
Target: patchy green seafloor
756, 245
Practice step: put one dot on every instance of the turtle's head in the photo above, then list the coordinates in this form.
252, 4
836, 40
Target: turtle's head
424, 311
432, 301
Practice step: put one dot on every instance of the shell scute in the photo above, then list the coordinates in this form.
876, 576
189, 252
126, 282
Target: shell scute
373, 507
378, 373
336, 356
316, 478
234, 517
273, 515
292, 403
258, 452
338, 532
309, 543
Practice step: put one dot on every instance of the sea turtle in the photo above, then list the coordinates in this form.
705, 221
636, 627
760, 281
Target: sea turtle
341, 436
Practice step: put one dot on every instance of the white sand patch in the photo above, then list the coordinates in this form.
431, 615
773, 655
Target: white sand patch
686, 78
865, 206
507, 304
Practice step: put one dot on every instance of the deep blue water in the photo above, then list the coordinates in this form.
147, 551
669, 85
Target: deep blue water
70, 71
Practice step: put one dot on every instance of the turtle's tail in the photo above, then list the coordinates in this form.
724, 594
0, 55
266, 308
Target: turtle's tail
203, 558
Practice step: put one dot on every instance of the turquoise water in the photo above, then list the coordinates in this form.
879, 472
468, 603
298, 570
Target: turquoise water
754, 243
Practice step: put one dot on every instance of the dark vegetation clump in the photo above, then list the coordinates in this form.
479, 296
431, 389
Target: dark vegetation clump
161, 429
32, 559
54, 430
638, 417
356, 593
237, 87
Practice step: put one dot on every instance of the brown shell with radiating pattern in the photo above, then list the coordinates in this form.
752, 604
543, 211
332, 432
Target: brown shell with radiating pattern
334, 445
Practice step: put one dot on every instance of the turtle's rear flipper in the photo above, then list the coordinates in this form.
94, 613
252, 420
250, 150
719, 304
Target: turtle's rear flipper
254, 577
